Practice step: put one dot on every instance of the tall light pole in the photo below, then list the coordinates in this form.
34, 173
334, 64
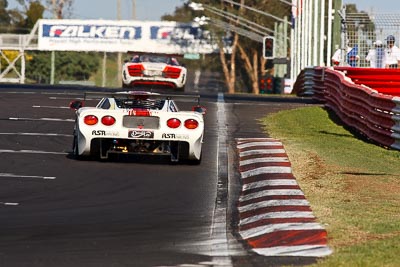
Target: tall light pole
119, 57
118, 9
134, 9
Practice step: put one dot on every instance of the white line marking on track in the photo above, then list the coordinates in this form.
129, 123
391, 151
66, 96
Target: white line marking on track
60, 93
32, 152
39, 119
38, 134
263, 170
270, 228
277, 215
261, 151
11, 175
220, 250
55, 107
19, 92
274, 203
64, 98
9, 203
274, 192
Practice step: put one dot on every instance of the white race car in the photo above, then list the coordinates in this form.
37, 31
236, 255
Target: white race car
155, 70
138, 122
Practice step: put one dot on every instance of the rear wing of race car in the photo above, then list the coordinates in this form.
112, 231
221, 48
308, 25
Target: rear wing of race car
154, 54
139, 94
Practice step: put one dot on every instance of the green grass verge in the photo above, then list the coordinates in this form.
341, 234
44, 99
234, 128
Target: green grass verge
353, 185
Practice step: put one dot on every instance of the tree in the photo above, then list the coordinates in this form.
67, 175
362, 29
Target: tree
23, 18
60, 8
251, 53
34, 13
23, 21
4, 16
181, 14
245, 57
229, 69
69, 65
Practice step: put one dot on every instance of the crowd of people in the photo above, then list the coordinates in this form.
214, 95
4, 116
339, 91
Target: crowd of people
378, 57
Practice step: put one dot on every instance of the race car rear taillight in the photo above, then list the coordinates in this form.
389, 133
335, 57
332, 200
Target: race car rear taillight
171, 72
90, 120
108, 120
139, 112
191, 124
136, 70
173, 123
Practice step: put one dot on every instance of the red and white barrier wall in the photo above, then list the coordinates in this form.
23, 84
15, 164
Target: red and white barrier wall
367, 100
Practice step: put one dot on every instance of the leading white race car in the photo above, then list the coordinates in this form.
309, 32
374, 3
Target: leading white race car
138, 122
155, 70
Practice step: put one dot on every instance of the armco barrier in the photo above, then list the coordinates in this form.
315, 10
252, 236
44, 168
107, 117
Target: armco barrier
372, 113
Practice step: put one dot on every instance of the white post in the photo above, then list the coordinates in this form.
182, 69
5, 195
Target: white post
303, 51
322, 34
329, 35
315, 34
22, 80
298, 36
293, 47
52, 73
309, 32
103, 84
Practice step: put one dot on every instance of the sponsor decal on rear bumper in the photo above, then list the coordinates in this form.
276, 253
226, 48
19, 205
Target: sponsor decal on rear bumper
104, 133
174, 136
140, 134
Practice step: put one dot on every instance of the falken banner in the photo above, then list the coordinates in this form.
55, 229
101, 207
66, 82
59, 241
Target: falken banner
123, 36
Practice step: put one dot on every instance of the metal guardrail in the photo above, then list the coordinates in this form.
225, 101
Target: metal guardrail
18, 42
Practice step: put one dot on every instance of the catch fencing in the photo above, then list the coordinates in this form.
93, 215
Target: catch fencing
373, 110
364, 29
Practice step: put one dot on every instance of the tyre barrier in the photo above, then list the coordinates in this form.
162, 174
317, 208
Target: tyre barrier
275, 219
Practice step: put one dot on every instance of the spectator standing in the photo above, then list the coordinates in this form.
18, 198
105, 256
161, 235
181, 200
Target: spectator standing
392, 53
376, 56
351, 56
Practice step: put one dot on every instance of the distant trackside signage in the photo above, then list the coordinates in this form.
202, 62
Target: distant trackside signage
123, 36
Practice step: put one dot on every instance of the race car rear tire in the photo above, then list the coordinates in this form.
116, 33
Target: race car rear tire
184, 154
95, 151
75, 148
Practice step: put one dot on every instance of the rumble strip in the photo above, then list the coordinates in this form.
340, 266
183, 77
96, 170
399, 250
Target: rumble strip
275, 218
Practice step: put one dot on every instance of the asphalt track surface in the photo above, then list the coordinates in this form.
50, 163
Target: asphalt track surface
58, 211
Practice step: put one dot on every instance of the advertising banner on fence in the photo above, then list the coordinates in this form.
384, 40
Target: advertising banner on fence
123, 36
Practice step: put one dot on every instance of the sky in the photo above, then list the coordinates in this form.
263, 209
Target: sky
153, 9
383, 6
107, 9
